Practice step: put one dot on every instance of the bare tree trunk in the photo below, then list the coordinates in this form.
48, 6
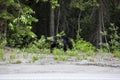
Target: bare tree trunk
66, 27
78, 31
58, 19
52, 26
100, 18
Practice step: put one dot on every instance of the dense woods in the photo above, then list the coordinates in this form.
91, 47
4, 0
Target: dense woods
94, 21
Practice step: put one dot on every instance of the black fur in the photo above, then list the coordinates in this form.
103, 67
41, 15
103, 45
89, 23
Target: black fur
54, 43
66, 43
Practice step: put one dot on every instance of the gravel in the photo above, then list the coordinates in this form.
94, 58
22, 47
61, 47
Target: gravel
99, 63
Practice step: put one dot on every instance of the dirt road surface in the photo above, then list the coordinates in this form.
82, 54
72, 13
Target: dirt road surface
60, 76
58, 72
58, 68
105, 68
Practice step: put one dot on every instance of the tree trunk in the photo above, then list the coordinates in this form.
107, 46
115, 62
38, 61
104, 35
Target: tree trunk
78, 31
100, 19
52, 26
58, 20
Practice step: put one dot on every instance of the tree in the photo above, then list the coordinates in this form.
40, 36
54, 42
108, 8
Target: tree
19, 19
52, 23
6, 15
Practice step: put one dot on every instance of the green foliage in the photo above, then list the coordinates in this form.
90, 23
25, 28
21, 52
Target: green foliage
42, 45
84, 46
35, 58
20, 33
2, 52
83, 5
18, 62
54, 4
114, 38
72, 53
105, 45
116, 54
3, 43
45, 51
61, 57
113, 44
31, 49
12, 56
42, 42
61, 34
20, 27
3, 40
58, 52
4, 13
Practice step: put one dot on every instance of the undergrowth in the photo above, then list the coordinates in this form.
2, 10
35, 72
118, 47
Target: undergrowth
2, 53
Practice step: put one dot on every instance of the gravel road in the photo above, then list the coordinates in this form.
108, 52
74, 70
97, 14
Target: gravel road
58, 72
47, 68
59, 68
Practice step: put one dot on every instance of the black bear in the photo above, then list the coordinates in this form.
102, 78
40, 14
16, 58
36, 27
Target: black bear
66, 43
54, 43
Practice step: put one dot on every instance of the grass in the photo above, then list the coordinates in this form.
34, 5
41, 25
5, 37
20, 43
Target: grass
116, 54
2, 52
72, 53
35, 58
12, 56
61, 57
31, 49
18, 62
25, 55
58, 52
45, 51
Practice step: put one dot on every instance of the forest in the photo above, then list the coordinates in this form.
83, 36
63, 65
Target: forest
29, 25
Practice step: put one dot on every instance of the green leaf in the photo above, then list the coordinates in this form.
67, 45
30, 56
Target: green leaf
33, 35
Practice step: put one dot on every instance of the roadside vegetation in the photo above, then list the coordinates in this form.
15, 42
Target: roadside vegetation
39, 49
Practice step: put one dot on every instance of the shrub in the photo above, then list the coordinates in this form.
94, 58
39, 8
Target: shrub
43, 42
3, 40
84, 46
20, 29
114, 38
